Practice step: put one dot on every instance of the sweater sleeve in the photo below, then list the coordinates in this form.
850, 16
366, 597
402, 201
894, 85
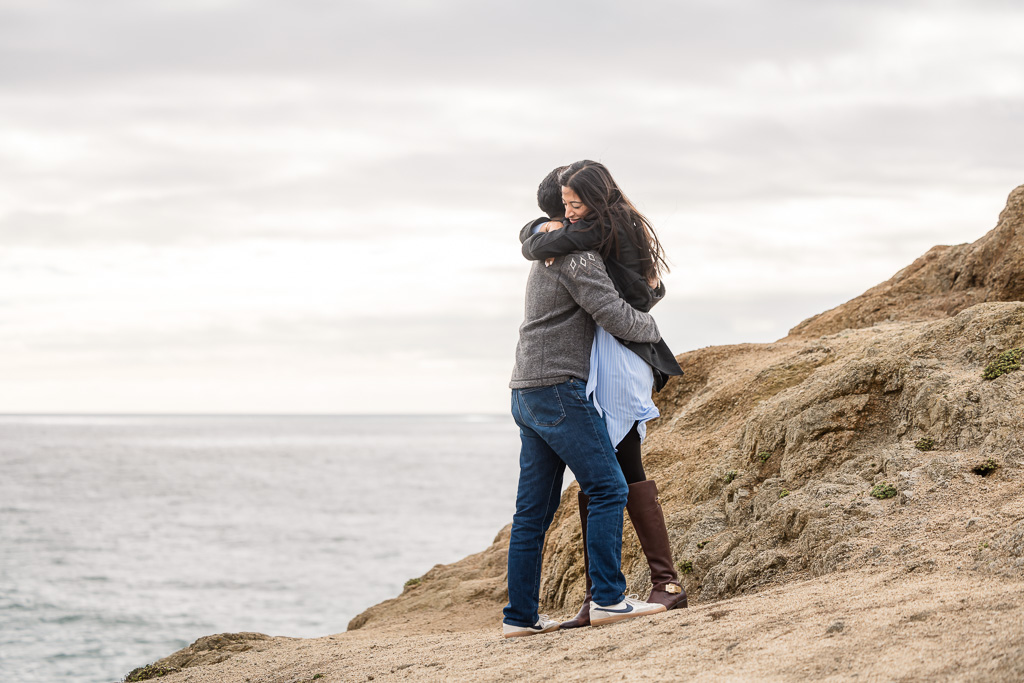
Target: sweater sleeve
588, 283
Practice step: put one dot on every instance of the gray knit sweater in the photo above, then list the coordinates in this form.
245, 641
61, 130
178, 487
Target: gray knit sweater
563, 302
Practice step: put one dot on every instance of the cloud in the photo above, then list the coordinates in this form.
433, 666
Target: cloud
242, 182
408, 41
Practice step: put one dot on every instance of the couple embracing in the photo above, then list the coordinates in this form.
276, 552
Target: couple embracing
588, 359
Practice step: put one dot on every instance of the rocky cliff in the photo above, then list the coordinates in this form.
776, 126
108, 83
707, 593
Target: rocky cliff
767, 454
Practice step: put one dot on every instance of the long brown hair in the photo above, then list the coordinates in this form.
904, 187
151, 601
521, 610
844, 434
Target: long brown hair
611, 212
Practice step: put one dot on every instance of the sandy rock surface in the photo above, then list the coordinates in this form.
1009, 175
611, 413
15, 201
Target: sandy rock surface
766, 456
890, 625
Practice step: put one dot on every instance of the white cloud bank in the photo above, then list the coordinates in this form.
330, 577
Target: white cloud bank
259, 207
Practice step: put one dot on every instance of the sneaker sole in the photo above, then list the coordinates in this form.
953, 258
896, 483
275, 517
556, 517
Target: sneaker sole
622, 617
520, 634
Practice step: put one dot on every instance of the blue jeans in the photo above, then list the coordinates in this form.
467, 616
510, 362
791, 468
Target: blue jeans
558, 426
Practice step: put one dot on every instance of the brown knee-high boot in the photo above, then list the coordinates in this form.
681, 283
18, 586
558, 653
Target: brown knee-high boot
649, 522
583, 618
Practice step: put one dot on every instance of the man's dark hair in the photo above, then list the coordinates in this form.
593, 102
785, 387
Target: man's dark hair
549, 194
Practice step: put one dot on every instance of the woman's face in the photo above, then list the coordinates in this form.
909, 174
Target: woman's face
574, 208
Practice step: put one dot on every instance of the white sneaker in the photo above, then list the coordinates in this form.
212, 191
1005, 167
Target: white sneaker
543, 625
631, 606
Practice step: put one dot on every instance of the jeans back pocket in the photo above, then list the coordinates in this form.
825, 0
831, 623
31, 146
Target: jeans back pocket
544, 405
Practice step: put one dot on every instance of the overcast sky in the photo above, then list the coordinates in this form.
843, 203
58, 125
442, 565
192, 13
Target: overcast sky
312, 206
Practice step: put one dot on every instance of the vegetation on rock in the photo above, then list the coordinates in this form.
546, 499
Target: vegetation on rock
150, 671
883, 491
1007, 361
925, 444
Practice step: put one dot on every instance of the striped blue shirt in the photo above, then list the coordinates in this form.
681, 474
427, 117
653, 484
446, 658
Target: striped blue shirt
622, 384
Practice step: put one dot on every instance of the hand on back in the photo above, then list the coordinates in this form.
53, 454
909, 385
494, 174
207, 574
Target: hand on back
548, 227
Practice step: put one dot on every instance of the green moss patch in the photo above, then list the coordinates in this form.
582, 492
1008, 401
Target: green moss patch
1007, 361
883, 491
925, 444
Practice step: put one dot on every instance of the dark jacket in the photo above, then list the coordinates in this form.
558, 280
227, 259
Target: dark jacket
624, 273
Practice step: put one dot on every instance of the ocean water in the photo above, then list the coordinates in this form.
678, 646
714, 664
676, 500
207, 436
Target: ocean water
123, 539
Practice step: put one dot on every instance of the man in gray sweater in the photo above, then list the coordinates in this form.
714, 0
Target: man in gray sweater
560, 427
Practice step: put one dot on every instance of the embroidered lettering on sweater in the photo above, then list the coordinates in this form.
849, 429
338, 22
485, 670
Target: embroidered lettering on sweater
580, 261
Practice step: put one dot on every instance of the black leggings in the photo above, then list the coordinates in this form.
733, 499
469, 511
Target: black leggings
628, 455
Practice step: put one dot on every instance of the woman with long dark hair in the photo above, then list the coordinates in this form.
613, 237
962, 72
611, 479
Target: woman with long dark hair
623, 375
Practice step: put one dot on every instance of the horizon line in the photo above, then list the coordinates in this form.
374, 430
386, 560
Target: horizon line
169, 414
